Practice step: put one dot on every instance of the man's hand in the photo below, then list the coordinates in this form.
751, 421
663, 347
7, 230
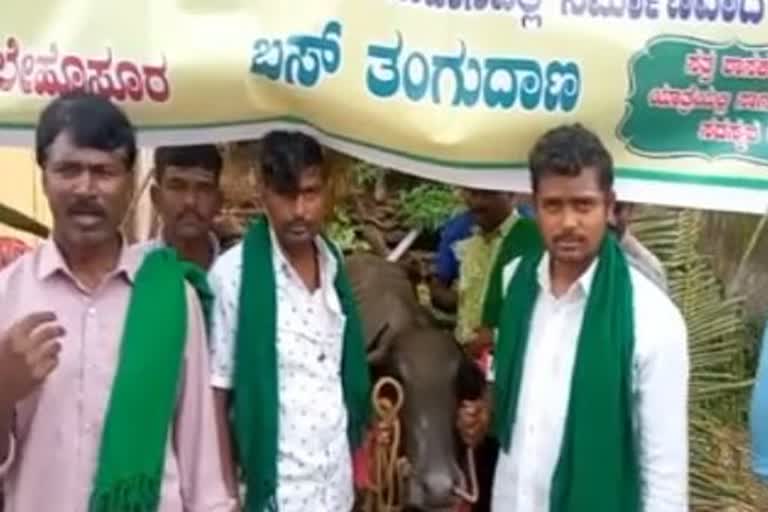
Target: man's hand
481, 341
29, 352
473, 421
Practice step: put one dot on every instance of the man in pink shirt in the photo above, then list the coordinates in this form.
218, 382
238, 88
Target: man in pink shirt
93, 416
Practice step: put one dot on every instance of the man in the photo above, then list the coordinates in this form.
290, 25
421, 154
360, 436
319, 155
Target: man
457, 228
590, 385
493, 215
186, 194
759, 414
637, 254
104, 404
288, 352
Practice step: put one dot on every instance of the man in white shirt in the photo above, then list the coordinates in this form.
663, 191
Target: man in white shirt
637, 254
312, 459
187, 196
547, 463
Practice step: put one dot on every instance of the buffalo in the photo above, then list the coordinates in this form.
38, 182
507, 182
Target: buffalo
404, 342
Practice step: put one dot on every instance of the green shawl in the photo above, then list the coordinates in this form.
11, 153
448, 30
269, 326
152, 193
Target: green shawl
597, 469
143, 399
522, 237
256, 399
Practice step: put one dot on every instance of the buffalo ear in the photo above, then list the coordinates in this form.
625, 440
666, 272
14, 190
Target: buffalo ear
470, 380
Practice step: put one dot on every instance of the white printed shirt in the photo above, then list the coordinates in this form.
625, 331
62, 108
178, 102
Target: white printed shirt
314, 462
660, 380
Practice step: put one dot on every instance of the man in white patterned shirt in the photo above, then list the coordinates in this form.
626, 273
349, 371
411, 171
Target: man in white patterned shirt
314, 465
591, 373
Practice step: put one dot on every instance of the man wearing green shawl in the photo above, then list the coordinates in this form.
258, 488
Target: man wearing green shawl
289, 366
105, 403
591, 369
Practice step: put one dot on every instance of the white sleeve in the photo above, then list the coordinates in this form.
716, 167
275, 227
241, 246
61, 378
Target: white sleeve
662, 413
223, 326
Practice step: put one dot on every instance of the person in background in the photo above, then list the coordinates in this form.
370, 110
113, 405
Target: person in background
759, 414
457, 228
187, 196
288, 350
467, 261
590, 384
468, 249
638, 255
104, 400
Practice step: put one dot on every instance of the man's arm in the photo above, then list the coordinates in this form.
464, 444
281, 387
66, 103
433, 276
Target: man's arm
759, 415
29, 352
443, 296
222, 401
222, 348
203, 483
663, 417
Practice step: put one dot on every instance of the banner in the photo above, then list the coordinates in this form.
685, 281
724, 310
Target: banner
452, 90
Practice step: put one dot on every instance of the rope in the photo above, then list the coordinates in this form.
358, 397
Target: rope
472, 494
391, 471
388, 469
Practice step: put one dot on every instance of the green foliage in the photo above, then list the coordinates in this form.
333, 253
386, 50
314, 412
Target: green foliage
364, 175
428, 206
343, 230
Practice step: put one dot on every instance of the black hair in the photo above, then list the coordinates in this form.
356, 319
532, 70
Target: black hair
206, 156
566, 151
285, 156
91, 120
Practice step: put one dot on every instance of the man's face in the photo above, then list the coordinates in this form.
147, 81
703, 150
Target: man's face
572, 213
297, 217
489, 208
88, 191
188, 199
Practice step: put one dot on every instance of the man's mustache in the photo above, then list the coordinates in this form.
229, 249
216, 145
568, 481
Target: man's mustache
189, 214
298, 225
86, 208
568, 237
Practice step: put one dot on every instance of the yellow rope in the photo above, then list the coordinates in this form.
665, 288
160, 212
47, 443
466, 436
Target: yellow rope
387, 469
390, 471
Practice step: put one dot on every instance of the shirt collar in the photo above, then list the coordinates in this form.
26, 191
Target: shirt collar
51, 261
500, 231
326, 261
583, 284
214, 240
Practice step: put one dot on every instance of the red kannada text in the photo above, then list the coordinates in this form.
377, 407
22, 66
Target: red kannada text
744, 67
738, 133
54, 73
689, 99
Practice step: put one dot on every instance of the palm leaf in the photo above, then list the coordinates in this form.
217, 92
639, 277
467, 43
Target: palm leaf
718, 344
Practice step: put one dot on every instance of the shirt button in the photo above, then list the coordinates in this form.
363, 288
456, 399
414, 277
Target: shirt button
91, 311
